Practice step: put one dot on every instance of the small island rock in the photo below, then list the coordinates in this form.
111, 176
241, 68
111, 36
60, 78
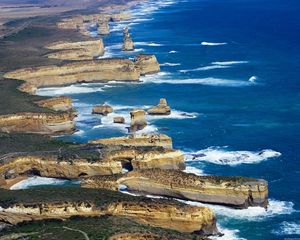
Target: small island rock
103, 110
161, 109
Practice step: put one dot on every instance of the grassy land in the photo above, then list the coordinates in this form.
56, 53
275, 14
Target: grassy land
96, 228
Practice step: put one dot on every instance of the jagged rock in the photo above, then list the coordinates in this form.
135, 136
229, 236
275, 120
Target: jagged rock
100, 70
152, 140
237, 192
87, 160
147, 64
28, 88
85, 50
57, 103
161, 109
119, 120
138, 120
103, 28
103, 110
128, 44
40, 123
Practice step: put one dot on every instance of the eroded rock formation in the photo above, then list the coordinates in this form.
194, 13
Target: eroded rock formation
120, 120
101, 70
138, 120
57, 103
41, 123
89, 161
128, 44
85, 50
238, 192
147, 64
103, 27
102, 110
161, 109
151, 140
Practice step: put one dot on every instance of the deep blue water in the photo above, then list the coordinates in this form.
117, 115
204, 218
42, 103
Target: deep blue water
228, 113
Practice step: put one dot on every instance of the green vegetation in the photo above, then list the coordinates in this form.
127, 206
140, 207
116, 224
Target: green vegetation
99, 228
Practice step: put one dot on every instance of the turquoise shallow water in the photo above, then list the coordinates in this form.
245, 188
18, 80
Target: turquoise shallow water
209, 50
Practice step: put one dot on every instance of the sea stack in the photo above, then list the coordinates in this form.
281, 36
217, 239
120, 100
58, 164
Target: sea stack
120, 120
161, 108
147, 64
102, 110
127, 41
103, 27
138, 120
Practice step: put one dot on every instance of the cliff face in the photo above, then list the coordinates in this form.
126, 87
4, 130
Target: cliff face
41, 123
138, 120
157, 140
77, 50
103, 27
236, 192
57, 103
147, 64
89, 162
181, 218
84, 71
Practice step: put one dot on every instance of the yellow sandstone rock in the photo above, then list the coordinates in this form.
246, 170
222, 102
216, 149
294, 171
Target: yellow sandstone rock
138, 120
57, 103
147, 64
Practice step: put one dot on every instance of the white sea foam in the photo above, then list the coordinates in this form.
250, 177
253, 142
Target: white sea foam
72, 89
173, 51
194, 170
224, 156
253, 79
228, 234
37, 181
175, 114
226, 63
210, 81
275, 208
148, 129
151, 44
205, 68
288, 228
213, 43
169, 64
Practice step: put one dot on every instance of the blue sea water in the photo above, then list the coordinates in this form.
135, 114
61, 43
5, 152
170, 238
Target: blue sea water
209, 50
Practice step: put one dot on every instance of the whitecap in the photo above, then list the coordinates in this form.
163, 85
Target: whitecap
194, 170
223, 156
229, 63
250, 214
173, 51
148, 129
38, 181
175, 114
169, 64
288, 228
253, 79
210, 81
205, 68
151, 44
213, 44
228, 234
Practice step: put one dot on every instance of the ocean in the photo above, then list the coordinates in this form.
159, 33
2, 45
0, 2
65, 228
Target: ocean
230, 72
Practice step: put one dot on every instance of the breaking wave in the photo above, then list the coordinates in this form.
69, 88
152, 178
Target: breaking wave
173, 51
213, 44
226, 63
169, 64
206, 68
194, 170
72, 89
151, 44
223, 156
288, 228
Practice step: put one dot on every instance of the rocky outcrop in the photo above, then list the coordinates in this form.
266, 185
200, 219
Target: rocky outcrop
122, 16
85, 50
149, 140
237, 192
102, 110
127, 41
89, 161
101, 70
103, 27
57, 103
138, 120
120, 120
147, 64
41, 123
28, 88
183, 218
161, 109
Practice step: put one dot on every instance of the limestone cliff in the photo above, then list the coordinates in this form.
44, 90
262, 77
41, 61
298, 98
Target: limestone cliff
161, 108
57, 103
41, 123
147, 64
28, 88
103, 27
85, 50
182, 218
157, 140
138, 120
101, 70
236, 192
89, 161
102, 110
